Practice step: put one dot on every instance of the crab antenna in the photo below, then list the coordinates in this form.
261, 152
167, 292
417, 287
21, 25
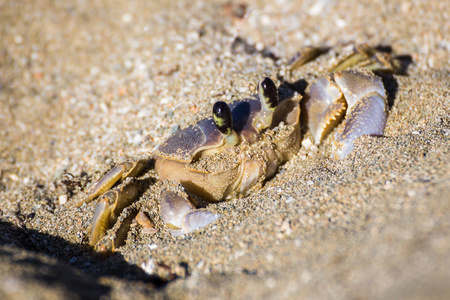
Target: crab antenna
224, 122
268, 95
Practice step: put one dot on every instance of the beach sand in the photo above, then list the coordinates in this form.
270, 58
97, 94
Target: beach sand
87, 84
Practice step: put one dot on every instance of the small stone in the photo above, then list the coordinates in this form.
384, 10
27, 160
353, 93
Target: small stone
152, 246
290, 199
388, 185
341, 23
144, 220
310, 182
127, 18
13, 177
411, 193
270, 257
149, 266
259, 46
317, 8
62, 199
200, 264
307, 143
18, 39
286, 227
314, 148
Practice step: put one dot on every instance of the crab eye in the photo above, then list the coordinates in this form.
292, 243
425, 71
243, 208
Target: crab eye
224, 122
268, 94
222, 117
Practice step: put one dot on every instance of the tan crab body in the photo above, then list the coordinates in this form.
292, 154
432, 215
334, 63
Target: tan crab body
256, 158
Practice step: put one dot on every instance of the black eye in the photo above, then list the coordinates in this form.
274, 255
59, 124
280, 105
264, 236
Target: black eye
268, 93
222, 117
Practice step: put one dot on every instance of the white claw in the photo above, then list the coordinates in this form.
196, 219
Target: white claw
367, 107
199, 218
355, 84
324, 107
180, 215
359, 91
174, 208
368, 116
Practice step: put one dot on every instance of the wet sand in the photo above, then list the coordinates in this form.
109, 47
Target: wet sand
86, 85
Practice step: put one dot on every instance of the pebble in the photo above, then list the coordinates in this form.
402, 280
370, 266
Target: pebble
307, 143
62, 199
286, 227
152, 246
13, 177
290, 199
149, 266
411, 193
18, 39
144, 220
127, 18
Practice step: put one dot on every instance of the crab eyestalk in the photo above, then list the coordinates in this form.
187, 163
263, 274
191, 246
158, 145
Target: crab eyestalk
224, 122
268, 95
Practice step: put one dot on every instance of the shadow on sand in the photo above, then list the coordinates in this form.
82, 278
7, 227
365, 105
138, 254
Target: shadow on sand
55, 262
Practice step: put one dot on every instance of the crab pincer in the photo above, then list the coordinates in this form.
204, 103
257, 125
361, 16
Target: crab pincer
357, 94
351, 94
181, 216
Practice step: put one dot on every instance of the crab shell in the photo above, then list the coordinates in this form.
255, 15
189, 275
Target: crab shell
258, 154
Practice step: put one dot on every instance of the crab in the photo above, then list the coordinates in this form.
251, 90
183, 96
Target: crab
242, 145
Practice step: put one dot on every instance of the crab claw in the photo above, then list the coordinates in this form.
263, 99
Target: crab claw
361, 93
367, 112
324, 107
181, 216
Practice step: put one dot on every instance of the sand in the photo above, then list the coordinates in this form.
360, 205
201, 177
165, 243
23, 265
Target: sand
87, 84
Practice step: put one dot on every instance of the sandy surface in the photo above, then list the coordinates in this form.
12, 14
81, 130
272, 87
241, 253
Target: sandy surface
87, 84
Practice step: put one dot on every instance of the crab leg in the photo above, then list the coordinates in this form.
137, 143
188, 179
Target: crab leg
109, 207
119, 172
112, 202
366, 57
304, 56
181, 216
